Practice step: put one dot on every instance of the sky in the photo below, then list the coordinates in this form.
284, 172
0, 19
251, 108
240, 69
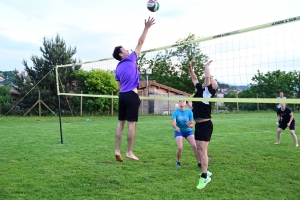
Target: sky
95, 27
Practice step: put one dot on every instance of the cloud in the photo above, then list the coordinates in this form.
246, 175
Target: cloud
95, 27
14, 52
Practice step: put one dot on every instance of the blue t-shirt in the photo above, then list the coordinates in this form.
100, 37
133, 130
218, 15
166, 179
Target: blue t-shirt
127, 73
182, 117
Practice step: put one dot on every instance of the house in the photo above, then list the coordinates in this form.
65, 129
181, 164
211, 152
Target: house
154, 89
1, 79
220, 95
15, 95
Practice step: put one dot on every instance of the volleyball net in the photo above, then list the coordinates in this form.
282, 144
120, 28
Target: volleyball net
243, 59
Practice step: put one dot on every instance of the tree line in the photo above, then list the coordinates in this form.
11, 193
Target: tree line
268, 85
41, 80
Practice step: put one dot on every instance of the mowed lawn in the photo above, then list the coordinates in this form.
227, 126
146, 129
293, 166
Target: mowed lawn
245, 163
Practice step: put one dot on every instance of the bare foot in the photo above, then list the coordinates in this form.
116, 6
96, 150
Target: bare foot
131, 156
276, 143
119, 158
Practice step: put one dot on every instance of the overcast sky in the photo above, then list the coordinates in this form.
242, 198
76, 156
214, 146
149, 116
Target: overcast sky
95, 27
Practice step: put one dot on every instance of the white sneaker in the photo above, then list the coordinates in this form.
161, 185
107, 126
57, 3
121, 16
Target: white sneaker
209, 173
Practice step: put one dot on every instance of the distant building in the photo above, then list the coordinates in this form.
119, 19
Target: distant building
155, 89
15, 95
220, 95
23, 74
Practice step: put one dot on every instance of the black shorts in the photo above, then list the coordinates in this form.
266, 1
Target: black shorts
129, 103
203, 131
283, 125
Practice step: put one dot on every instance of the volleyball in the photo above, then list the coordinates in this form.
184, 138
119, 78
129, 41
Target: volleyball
153, 5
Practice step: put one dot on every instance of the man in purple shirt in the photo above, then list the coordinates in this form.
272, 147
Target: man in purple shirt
127, 76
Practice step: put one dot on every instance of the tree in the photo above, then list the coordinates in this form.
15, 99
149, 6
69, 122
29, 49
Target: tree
8, 76
96, 82
5, 102
54, 52
230, 106
171, 66
297, 84
270, 84
4, 94
243, 106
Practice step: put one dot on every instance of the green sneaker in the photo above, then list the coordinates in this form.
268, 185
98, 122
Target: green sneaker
203, 182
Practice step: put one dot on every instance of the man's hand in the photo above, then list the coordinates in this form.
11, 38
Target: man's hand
149, 22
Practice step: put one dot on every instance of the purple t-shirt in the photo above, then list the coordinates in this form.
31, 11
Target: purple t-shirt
127, 73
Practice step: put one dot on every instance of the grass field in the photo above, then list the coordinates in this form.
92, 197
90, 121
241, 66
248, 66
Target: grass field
245, 162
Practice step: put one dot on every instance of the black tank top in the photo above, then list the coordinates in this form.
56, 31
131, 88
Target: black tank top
203, 109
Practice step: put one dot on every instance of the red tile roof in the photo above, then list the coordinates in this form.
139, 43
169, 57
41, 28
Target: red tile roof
143, 85
15, 92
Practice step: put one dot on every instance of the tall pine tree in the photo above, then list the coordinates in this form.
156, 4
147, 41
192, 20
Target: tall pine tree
42, 72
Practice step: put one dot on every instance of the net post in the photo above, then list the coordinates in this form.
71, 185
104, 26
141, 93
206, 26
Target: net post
81, 100
112, 104
59, 110
57, 85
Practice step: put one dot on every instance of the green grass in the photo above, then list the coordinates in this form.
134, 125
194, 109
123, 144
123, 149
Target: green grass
245, 162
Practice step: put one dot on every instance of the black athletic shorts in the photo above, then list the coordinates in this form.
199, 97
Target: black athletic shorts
129, 103
203, 131
283, 125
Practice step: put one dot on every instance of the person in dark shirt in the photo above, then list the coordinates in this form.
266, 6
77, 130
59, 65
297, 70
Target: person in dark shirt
202, 116
285, 118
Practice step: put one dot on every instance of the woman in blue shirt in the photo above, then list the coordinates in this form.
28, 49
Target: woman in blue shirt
182, 122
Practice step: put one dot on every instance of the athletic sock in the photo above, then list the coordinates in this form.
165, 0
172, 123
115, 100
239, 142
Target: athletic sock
204, 175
